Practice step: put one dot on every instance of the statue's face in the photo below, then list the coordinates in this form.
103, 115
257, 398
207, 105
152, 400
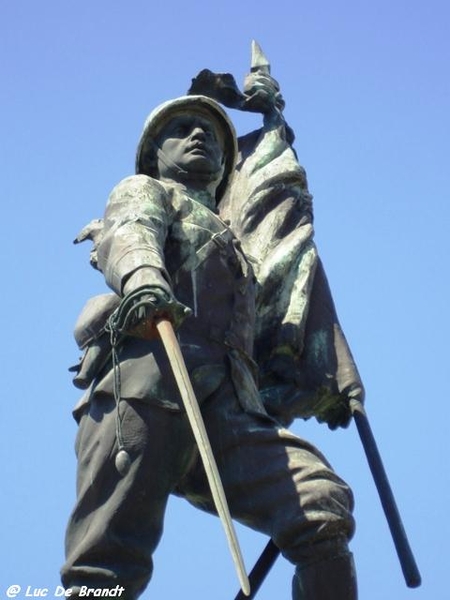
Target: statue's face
193, 143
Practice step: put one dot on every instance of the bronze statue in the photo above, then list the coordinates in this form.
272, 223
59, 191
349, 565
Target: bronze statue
215, 235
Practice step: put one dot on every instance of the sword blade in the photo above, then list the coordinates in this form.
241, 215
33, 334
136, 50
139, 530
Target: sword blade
181, 375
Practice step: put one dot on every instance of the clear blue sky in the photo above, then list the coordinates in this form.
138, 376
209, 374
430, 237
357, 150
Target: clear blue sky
367, 91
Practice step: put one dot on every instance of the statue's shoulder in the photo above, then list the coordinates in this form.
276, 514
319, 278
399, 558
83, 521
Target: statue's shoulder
139, 195
137, 185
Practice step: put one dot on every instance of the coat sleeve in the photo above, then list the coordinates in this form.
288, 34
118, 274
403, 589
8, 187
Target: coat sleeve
136, 222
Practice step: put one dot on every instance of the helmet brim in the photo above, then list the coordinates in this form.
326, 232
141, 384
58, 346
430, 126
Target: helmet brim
190, 105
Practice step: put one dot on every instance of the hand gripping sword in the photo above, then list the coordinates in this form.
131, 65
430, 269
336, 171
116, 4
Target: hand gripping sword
181, 375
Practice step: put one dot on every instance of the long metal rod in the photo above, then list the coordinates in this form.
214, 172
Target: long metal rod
404, 552
194, 415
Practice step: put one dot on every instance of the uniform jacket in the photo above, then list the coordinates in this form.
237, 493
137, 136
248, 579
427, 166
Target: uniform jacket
179, 244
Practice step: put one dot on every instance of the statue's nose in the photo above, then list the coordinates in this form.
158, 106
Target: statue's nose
198, 132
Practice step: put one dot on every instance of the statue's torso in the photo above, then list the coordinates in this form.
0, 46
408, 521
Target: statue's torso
209, 274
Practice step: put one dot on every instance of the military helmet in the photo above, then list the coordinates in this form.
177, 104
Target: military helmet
195, 105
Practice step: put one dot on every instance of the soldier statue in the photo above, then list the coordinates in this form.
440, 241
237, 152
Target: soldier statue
214, 235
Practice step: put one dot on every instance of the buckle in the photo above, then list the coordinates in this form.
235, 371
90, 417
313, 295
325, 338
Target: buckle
218, 239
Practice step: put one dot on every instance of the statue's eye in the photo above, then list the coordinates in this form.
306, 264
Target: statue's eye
180, 130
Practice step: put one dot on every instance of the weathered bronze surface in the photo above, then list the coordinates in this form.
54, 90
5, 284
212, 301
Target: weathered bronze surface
214, 233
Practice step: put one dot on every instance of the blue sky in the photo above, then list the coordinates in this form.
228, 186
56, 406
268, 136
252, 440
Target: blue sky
367, 92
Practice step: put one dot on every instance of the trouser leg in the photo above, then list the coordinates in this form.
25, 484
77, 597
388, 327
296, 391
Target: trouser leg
330, 579
117, 521
276, 483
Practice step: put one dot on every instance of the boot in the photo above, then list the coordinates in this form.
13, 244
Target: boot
332, 579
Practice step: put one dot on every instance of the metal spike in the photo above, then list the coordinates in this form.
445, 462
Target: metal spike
259, 60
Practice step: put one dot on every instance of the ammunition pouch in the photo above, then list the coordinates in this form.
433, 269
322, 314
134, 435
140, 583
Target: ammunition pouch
92, 336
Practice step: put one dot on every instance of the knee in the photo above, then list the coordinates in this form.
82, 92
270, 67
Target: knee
322, 523
326, 503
